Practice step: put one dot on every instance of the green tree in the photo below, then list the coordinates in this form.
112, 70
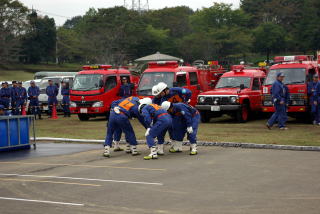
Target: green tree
269, 38
12, 24
69, 46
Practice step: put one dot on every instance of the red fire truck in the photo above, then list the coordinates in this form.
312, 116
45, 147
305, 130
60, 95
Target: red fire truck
299, 70
194, 78
95, 88
237, 93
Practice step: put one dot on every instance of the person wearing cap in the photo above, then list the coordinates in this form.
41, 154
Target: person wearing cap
158, 121
185, 119
5, 95
123, 110
312, 93
33, 94
52, 93
13, 96
162, 93
65, 92
280, 99
20, 98
125, 88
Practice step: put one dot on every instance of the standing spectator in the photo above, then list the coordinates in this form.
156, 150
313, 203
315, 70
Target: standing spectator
126, 88
280, 99
5, 95
52, 92
13, 96
20, 98
65, 91
33, 93
312, 93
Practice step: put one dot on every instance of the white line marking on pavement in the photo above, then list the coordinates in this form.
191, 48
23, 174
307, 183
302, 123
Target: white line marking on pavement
40, 201
84, 179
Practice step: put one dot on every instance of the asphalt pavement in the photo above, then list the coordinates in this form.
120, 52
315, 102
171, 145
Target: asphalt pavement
218, 180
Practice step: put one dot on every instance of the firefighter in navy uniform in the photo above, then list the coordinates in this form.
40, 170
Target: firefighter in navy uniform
5, 95
65, 92
20, 97
52, 92
280, 98
312, 93
185, 119
33, 93
162, 93
125, 88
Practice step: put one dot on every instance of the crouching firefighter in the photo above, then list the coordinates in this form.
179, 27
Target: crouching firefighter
158, 121
185, 119
124, 110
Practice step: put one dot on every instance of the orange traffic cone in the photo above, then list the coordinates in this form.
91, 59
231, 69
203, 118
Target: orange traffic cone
54, 112
23, 111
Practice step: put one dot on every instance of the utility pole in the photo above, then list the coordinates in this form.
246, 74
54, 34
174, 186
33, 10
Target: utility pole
138, 5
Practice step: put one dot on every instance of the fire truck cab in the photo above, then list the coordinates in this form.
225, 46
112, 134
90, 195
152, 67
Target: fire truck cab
95, 88
169, 72
238, 93
298, 70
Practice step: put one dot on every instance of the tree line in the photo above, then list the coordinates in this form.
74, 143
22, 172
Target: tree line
118, 35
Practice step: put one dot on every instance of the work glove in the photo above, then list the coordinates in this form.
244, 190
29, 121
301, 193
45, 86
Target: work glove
116, 110
190, 130
147, 132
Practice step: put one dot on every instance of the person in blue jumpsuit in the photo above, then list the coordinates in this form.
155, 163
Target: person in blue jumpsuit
317, 99
125, 88
124, 110
5, 95
158, 121
280, 99
185, 119
65, 92
52, 92
312, 93
162, 93
13, 96
20, 97
33, 93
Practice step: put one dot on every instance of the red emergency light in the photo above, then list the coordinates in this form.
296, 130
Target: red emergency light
92, 67
300, 58
172, 64
237, 68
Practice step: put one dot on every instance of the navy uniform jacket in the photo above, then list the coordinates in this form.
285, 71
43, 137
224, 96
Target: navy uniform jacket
184, 110
125, 90
5, 93
13, 93
33, 92
279, 92
177, 95
52, 91
312, 91
20, 93
151, 113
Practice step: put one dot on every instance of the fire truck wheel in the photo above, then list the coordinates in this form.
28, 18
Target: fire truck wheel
243, 114
205, 117
83, 117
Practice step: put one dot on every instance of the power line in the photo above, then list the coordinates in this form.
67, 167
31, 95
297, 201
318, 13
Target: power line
52, 14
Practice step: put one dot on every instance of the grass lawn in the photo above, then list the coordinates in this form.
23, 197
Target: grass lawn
219, 130
9, 75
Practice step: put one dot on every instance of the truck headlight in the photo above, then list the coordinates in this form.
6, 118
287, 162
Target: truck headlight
73, 104
97, 104
233, 100
202, 99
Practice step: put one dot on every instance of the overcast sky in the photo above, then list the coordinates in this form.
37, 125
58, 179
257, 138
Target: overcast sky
71, 8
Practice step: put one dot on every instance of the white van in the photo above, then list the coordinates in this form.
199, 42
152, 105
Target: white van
57, 80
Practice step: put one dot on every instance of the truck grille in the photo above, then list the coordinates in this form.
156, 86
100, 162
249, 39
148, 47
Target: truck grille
84, 104
295, 100
216, 101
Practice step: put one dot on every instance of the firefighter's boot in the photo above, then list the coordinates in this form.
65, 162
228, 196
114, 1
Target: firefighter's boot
160, 149
128, 149
193, 149
117, 147
153, 154
106, 152
176, 147
134, 150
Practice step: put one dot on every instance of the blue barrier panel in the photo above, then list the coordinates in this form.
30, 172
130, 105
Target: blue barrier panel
15, 132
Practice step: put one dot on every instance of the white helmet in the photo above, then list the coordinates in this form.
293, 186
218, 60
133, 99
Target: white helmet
155, 90
144, 102
166, 105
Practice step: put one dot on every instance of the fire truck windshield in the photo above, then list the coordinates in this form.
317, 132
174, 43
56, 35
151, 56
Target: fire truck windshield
87, 82
234, 82
292, 76
148, 80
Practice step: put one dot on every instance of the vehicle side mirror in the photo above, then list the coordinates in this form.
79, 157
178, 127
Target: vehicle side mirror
212, 83
198, 87
242, 87
175, 84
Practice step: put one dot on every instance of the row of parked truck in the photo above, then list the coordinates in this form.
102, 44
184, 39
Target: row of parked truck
240, 92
